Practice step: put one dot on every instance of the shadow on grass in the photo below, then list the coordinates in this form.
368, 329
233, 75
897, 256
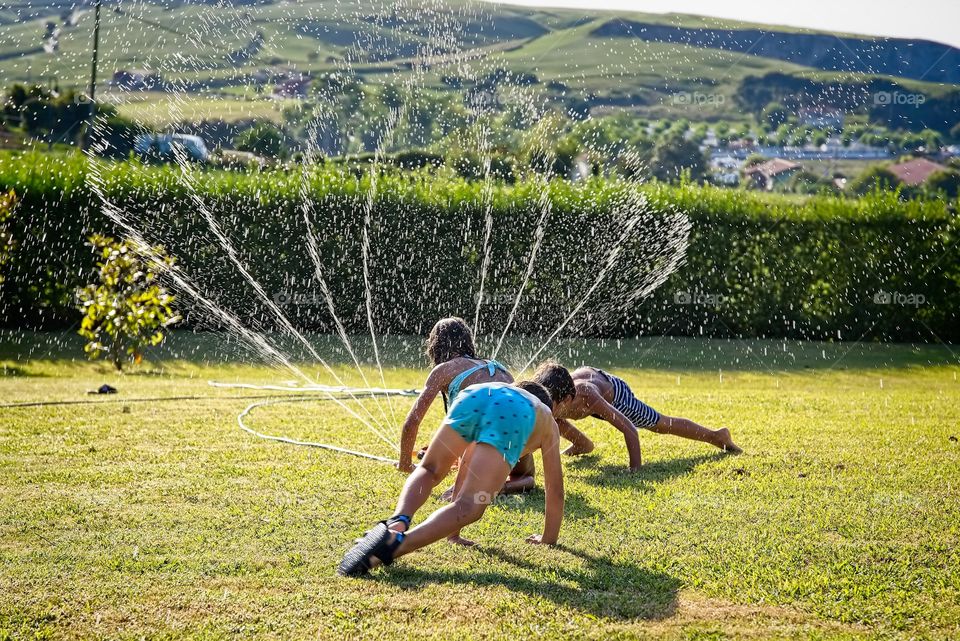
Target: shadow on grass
665, 353
534, 501
611, 475
598, 586
146, 373
14, 371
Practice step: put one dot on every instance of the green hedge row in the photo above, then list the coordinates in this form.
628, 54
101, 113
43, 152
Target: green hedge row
756, 265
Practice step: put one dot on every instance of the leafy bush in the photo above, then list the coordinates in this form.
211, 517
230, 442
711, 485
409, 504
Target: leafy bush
807, 182
785, 266
673, 156
944, 182
126, 310
8, 203
263, 139
873, 178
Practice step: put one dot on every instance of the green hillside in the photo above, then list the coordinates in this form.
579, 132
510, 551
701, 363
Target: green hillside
197, 43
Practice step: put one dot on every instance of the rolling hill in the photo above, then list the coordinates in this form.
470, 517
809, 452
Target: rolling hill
637, 60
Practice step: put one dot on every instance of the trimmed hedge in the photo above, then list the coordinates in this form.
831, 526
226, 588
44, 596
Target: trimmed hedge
757, 265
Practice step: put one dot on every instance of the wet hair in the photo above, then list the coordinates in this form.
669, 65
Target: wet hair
450, 338
556, 379
537, 390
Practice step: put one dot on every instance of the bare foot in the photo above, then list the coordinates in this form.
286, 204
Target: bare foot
577, 449
725, 442
456, 539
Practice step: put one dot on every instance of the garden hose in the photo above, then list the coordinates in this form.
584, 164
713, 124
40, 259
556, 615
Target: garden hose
263, 400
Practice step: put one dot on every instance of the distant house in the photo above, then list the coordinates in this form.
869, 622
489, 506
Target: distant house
771, 173
728, 178
725, 162
136, 79
916, 172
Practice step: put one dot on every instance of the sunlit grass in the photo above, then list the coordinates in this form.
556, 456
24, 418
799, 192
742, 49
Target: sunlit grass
159, 518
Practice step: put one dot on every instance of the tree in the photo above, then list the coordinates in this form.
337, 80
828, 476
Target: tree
774, 115
754, 159
807, 182
44, 113
874, 177
263, 139
944, 182
932, 140
392, 96
673, 154
127, 309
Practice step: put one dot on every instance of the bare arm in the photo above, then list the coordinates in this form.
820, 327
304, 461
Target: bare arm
553, 486
570, 432
411, 426
604, 410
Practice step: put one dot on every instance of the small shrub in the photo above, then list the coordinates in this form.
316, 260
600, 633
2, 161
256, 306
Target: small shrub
127, 309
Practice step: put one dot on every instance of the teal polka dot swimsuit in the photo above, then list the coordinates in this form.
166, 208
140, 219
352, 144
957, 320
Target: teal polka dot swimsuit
497, 414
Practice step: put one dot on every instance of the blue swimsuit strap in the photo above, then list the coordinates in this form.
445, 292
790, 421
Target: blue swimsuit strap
454, 388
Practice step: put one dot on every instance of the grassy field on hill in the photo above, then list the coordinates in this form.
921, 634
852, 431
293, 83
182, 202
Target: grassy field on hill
126, 519
189, 43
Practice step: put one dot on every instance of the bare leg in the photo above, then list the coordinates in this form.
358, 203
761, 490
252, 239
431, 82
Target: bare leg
519, 485
686, 428
444, 450
482, 480
580, 443
450, 494
522, 476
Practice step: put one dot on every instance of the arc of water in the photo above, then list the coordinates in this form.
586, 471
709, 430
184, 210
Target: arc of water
487, 194
546, 206
274, 308
314, 253
181, 281
609, 264
393, 118
214, 226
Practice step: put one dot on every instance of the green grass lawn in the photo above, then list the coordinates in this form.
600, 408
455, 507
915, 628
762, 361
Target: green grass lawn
124, 519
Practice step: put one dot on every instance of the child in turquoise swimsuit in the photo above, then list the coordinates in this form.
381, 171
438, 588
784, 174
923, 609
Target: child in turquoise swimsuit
499, 423
451, 349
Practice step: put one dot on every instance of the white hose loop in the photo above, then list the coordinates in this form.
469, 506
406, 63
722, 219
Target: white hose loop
373, 391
